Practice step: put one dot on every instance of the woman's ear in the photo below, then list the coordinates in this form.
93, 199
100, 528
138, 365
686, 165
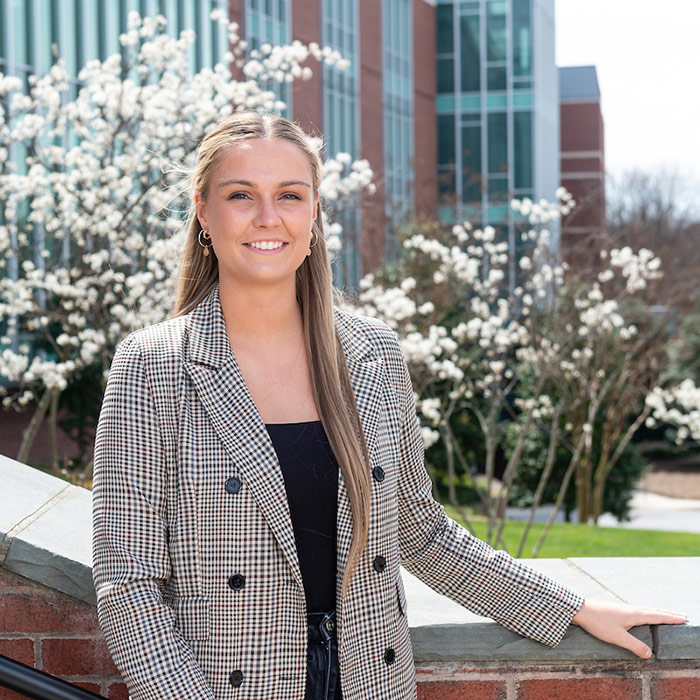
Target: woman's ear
316, 205
201, 211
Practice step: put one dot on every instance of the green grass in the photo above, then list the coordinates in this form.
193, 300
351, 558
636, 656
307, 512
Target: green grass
574, 540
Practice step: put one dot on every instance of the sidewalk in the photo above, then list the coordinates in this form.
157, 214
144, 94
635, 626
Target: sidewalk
649, 511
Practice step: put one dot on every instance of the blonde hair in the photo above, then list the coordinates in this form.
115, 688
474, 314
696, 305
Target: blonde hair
198, 274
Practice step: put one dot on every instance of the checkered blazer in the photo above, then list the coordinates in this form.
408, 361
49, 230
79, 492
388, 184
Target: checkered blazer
188, 492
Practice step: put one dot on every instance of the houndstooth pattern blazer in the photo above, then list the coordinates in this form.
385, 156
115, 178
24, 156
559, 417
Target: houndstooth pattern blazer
188, 492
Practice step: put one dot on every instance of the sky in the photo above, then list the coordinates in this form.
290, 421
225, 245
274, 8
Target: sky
647, 55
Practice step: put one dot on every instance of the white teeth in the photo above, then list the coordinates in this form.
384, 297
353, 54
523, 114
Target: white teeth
266, 245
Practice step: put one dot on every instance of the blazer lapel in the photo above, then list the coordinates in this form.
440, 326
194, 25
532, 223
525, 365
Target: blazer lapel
212, 366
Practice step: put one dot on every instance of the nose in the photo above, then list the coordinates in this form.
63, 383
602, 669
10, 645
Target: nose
266, 215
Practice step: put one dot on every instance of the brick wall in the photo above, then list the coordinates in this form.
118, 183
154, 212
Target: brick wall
649, 680
56, 634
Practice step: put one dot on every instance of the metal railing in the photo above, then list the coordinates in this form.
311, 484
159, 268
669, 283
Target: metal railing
39, 685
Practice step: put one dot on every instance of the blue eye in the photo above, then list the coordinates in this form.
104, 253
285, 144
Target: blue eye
238, 195
292, 195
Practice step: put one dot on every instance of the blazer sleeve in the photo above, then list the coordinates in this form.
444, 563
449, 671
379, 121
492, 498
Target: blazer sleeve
449, 559
130, 540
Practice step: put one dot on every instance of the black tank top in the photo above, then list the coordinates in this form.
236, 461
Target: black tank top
310, 474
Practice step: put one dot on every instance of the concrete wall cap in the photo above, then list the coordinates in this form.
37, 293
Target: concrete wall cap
45, 526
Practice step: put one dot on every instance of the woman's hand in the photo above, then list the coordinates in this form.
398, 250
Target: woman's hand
610, 622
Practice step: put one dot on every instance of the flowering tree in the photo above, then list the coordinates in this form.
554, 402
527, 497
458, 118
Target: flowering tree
518, 346
92, 193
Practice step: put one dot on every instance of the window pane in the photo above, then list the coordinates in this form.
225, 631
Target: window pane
496, 31
471, 164
446, 139
446, 75
469, 59
446, 183
498, 190
496, 78
18, 27
445, 36
522, 33
522, 137
498, 142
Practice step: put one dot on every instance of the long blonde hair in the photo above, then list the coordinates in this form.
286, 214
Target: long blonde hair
198, 274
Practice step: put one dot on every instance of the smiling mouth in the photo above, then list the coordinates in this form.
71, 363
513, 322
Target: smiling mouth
266, 245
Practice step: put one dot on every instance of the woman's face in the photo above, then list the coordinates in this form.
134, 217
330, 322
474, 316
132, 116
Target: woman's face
259, 211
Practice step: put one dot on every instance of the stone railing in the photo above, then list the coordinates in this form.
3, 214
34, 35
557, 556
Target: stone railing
47, 615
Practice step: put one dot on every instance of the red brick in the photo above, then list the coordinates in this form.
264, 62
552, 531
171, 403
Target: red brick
77, 657
21, 650
474, 690
675, 689
92, 687
581, 689
118, 691
45, 612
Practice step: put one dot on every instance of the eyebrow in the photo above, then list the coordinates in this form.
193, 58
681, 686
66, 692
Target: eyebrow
248, 183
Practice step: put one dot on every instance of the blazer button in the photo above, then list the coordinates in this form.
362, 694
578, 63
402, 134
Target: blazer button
236, 678
378, 473
233, 485
237, 581
389, 656
379, 563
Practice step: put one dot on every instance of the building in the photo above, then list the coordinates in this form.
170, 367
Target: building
497, 109
582, 162
381, 109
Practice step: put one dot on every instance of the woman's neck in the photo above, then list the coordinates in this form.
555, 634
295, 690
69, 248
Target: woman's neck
259, 314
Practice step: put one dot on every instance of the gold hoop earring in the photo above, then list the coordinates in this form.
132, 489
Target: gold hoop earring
204, 234
314, 238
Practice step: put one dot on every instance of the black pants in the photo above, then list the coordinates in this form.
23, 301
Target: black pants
322, 669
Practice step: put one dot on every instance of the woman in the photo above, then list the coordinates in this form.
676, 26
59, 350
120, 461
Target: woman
259, 469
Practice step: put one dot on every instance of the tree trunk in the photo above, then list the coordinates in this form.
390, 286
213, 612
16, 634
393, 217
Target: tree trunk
30, 432
53, 417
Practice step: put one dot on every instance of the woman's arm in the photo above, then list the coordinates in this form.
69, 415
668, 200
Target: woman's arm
130, 549
449, 559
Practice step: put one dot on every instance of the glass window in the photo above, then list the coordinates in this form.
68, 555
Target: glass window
446, 75
18, 27
66, 39
471, 163
523, 99
470, 62
496, 101
522, 34
470, 103
498, 190
446, 182
445, 103
496, 31
88, 32
496, 78
522, 146
446, 139
498, 142
445, 33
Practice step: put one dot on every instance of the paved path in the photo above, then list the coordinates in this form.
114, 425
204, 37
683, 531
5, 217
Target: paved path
649, 511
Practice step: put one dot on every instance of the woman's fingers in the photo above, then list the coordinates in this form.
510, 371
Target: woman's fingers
660, 617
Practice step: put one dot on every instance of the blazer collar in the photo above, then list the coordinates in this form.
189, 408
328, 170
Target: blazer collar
208, 343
